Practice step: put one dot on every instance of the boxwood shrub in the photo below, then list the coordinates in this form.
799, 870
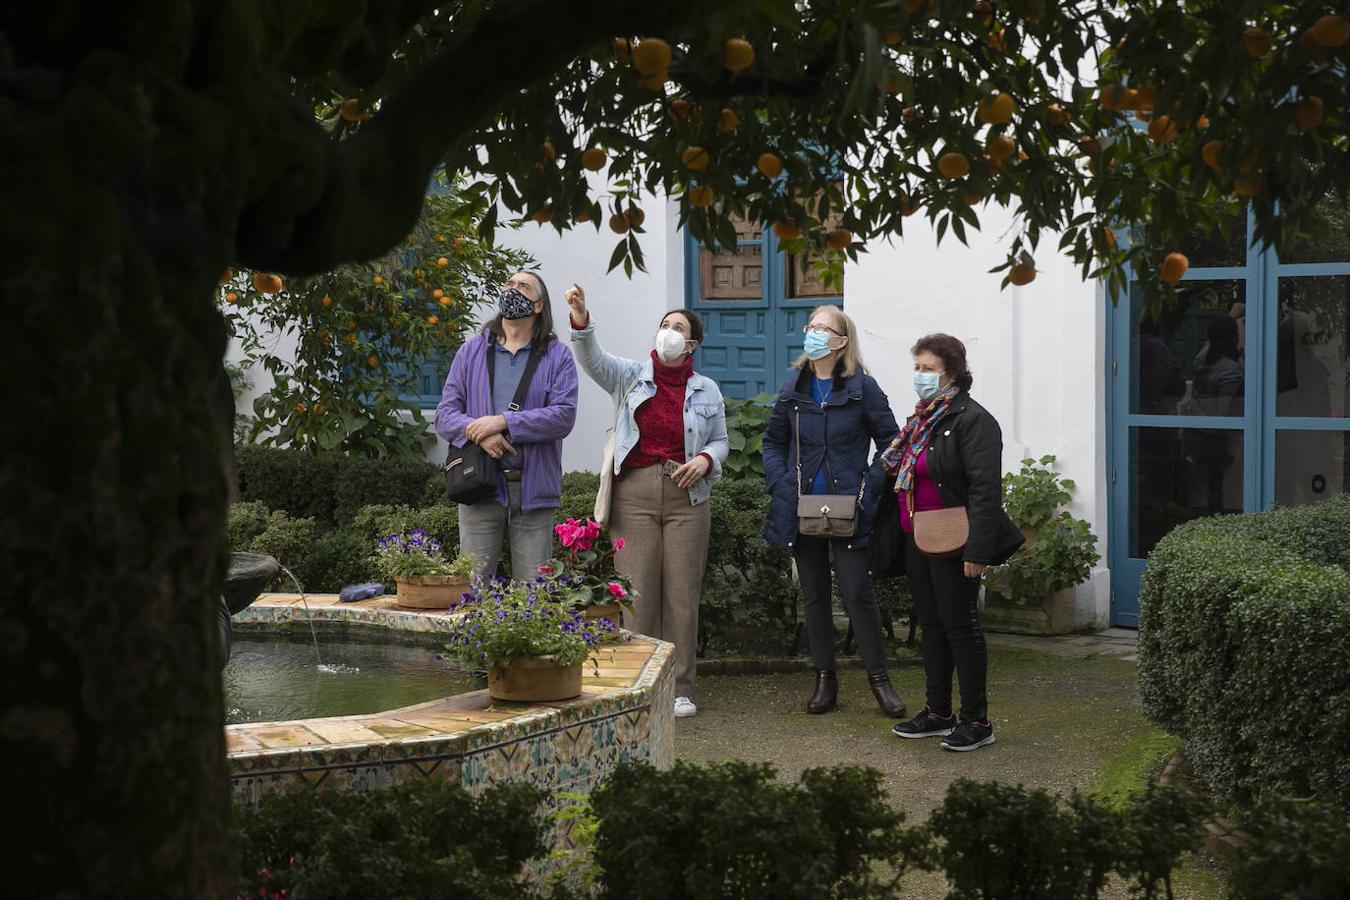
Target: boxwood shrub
1243, 653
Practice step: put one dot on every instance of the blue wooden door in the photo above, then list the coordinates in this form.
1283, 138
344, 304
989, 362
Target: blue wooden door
1230, 400
754, 303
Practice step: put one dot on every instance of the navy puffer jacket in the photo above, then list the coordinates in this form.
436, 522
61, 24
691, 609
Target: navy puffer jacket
841, 432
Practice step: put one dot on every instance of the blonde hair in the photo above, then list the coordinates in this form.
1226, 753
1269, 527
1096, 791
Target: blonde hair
851, 356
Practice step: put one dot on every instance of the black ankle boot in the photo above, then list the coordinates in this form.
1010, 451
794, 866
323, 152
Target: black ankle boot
827, 692
887, 698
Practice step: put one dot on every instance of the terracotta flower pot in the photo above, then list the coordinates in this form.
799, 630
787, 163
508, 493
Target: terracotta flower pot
430, 591
537, 680
597, 611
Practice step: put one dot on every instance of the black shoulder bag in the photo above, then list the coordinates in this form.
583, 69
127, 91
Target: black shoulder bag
471, 475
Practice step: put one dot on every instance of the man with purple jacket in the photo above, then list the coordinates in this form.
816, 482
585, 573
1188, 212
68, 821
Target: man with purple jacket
528, 441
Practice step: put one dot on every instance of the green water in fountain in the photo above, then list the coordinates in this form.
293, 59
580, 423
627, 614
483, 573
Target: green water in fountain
275, 679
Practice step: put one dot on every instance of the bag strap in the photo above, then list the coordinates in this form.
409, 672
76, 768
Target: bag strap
531, 364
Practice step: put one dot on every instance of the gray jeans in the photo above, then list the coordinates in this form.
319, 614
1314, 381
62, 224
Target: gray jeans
484, 526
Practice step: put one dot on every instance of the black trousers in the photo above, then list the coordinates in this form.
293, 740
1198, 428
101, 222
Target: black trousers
855, 587
947, 605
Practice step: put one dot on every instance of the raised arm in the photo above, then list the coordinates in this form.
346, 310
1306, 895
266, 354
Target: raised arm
607, 370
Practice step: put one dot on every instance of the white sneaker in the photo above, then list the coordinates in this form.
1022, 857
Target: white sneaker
684, 708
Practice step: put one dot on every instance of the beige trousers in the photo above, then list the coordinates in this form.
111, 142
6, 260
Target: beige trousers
665, 552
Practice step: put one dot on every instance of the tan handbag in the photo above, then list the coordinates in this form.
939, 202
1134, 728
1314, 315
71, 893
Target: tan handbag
825, 515
939, 532
603, 495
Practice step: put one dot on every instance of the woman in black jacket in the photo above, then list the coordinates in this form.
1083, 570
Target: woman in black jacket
949, 454
819, 441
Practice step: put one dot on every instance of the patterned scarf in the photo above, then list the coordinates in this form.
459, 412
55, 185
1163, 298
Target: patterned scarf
900, 457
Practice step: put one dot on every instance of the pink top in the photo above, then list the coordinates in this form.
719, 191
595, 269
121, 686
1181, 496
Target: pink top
926, 494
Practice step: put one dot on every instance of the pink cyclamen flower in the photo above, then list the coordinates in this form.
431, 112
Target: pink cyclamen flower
618, 543
591, 529
618, 590
581, 545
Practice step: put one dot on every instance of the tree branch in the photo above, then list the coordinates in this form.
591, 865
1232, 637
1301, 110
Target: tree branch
374, 183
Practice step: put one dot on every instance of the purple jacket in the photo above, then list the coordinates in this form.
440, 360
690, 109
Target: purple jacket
536, 431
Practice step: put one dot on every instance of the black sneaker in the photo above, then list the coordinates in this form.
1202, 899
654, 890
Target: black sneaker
925, 724
969, 736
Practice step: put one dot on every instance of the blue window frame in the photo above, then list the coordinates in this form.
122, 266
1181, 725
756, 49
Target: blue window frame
1286, 439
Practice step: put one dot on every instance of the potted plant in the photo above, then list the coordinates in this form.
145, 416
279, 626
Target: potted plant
527, 635
1033, 591
423, 577
583, 569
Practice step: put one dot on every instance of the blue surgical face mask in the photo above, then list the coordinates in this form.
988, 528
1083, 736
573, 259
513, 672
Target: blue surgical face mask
926, 384
816, 345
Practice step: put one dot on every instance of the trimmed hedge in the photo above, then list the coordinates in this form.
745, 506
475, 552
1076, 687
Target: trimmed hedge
1243, 649
729, 829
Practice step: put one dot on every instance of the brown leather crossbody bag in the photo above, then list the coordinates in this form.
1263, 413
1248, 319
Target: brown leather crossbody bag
939, 532
826, 515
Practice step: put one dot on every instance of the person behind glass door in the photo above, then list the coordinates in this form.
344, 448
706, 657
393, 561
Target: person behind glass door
670, 442
828, 414
526, 442
949, 454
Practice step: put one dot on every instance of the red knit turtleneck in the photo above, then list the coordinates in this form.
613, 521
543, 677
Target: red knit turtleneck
660, 420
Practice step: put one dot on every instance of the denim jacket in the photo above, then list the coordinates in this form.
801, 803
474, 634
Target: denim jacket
705, 419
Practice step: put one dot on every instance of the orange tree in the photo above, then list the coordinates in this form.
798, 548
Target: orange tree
362, 332
169, 140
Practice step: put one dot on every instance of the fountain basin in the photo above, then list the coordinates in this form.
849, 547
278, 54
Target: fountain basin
624, 713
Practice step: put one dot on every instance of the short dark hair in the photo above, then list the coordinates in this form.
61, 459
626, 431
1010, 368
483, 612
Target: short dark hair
953, 355
543, 325
695, 323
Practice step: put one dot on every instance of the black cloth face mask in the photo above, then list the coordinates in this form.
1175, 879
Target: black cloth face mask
512, 304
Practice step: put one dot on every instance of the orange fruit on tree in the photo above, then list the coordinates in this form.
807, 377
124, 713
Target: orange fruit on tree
618, 224
695, 158
700, 196
891, 38
1001, 147
378, 279
970, 199
655, 82
547, 151
908, 205
1146, 97
432, 320
442, 262
1210, 153
1256, 41
786, 231
1330, 31
231, 297
1173, 267
635, 216
679, 110
997, 110
1055, 114
440, 238
1309, 113
984, 10
299, 407
1202, 123
318, 409
1248, 185
839, 239
1022, 273
651, 56
737, 55
1129, 99
623, 46
582, 216
953, 165
226, 276
438, 293
770, 166
1162, 129
459, 244
726, 120
998, 39
1090, 145
267, 283
350, 338
373, 362
993, 166
593, 159
1111, 96
444, 301
543, 214
327, 301
351, 110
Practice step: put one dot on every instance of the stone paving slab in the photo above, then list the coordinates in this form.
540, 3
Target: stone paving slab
1120, 643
